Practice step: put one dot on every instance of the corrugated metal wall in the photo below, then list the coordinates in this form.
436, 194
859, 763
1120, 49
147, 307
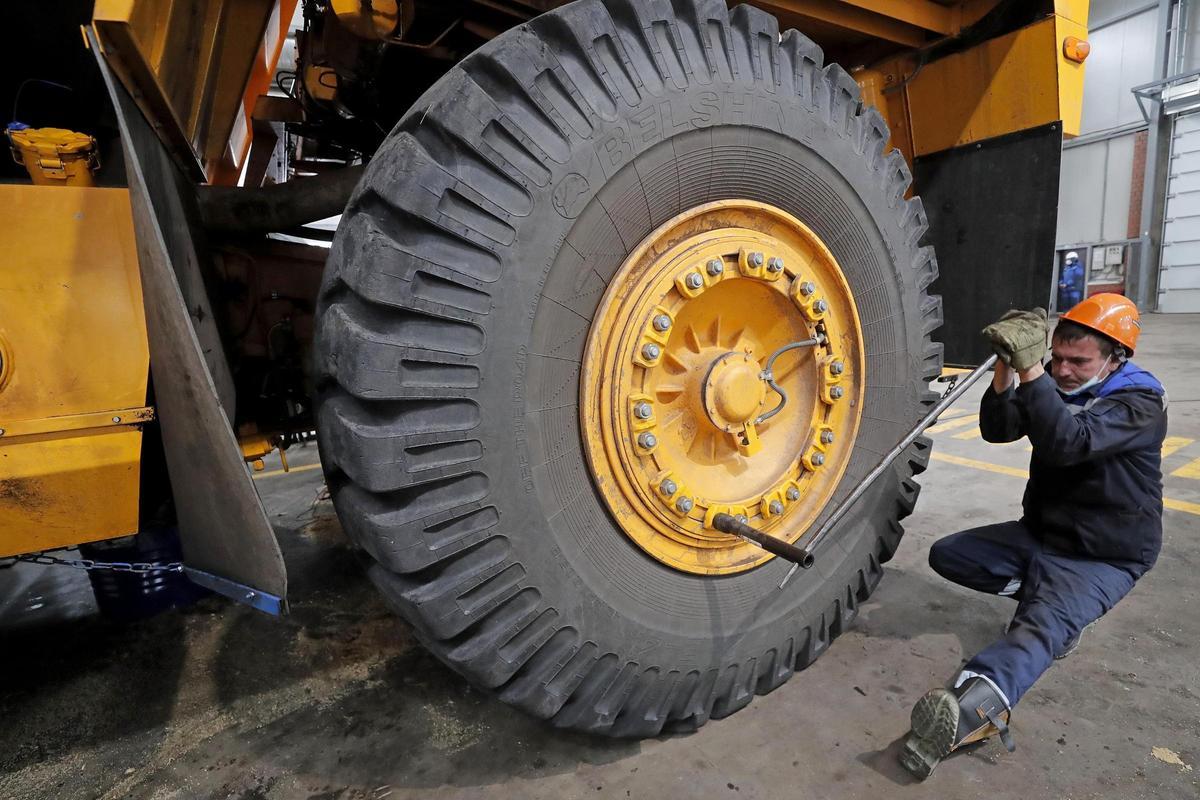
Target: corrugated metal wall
1179, 272
1095, 190
1122, 57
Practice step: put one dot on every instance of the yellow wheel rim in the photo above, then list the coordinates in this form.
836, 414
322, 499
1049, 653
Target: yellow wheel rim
673, 398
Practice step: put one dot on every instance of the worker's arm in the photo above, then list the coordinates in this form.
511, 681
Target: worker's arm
1122, 421
999, 416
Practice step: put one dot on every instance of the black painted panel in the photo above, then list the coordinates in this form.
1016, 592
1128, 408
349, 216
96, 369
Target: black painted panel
993, 211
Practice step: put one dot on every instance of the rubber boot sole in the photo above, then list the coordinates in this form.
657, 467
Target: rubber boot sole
934, 726
1073, 645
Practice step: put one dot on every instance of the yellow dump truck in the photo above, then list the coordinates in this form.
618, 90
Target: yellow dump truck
604, 270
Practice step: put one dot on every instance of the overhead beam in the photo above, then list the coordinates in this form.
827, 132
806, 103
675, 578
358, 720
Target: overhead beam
849, 16
925, 14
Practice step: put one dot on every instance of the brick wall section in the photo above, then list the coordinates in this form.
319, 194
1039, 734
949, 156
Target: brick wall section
1136, 183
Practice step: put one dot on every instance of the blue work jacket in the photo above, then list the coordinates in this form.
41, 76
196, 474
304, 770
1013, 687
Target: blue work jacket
1095, 477
1071, 279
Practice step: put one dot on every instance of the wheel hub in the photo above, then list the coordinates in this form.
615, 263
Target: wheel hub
734, 392
679, 420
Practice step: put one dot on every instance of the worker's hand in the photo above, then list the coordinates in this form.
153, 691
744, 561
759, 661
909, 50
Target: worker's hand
1002, 377
1019, 338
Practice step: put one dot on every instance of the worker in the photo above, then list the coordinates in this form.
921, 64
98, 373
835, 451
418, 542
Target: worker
1092, 523
1070, 283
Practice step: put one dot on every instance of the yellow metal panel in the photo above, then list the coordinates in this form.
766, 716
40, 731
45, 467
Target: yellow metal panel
1004, 85
1073, 10
75, 353
880, 88
1070, 74
70, 302
195, 69
62, 491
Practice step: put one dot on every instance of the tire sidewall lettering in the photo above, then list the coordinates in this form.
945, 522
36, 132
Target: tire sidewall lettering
659, 119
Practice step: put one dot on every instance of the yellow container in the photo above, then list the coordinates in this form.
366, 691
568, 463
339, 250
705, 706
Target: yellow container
54, 156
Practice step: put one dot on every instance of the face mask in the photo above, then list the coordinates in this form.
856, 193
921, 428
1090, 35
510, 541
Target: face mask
1088, 383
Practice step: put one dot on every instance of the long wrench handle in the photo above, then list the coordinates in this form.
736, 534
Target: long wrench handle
844, 507
727, 523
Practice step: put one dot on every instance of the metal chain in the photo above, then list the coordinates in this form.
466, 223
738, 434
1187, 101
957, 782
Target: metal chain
138, 567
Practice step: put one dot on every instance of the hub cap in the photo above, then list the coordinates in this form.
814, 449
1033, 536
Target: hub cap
675, 409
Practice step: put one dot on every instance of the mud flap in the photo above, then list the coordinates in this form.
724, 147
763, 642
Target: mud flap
228, 543
993, 211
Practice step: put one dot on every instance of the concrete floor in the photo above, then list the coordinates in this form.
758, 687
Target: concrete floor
338, 701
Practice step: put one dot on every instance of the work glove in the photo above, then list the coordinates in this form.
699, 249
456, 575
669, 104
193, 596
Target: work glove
1019, 338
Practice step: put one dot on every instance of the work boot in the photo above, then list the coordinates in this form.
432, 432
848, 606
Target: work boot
1073, 645
946, 719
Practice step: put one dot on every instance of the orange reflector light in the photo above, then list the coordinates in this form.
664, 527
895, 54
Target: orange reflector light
1076, 49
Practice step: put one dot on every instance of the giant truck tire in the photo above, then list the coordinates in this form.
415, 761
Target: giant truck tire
610, 176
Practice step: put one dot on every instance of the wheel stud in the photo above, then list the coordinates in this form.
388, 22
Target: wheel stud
818, 459
755, 259
694, 280
647, 440
662, 323
775, 265
837, 367
667, 487
643, 411
684, 504
826, 437
821, 306
807, 288
776, 508
836, 392
715, 267
793, 494
650, 351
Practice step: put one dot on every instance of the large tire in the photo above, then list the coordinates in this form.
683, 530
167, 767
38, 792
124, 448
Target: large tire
452, 324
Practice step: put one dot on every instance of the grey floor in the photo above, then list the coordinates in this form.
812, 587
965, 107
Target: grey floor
339, 701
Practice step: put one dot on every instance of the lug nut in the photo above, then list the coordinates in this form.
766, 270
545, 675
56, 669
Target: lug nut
694, 280
837, 367
821, 306
643, 410
807, 288
826, 437
650, 351
836, 392
742, 518
662, 323
667, 487
818, 458
684, 504
755, 259
775, 264
648, 441
716, 267
776, 508
793, 494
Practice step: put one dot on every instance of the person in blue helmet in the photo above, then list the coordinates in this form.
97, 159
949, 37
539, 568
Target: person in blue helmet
1070, 283
1092, 523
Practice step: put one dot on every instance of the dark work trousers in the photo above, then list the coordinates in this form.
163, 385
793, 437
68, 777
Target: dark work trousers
1057, 595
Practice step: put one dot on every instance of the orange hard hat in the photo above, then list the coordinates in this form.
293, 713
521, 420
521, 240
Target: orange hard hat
1112, 315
